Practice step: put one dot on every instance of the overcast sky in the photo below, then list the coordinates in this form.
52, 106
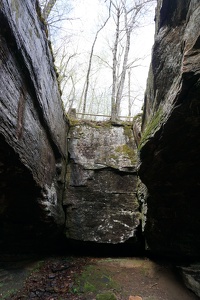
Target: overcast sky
87, 15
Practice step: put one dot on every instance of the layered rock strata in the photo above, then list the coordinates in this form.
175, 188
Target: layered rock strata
101, 202
170, 144
32, 124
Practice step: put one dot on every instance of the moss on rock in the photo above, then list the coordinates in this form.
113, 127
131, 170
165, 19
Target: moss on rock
151, 126
93, 280
128, 152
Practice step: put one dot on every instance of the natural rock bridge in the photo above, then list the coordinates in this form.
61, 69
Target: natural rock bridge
95, 181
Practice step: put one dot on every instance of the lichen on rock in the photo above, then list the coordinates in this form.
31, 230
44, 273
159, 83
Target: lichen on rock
100, 198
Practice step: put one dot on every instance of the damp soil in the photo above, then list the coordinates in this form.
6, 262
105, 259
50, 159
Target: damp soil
90, 278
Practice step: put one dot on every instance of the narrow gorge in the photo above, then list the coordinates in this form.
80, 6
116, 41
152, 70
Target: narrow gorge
64, 180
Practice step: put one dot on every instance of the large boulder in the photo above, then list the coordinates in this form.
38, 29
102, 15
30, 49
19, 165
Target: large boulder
101, 202
32, 125
170, 143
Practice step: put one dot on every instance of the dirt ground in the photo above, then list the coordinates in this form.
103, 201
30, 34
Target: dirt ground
83, 278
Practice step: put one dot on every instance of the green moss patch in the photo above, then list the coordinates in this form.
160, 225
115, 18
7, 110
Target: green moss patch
99, 124
93, 280
151, 126
128, 152
128, 131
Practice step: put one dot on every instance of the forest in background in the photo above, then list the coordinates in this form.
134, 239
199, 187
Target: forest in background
102, 51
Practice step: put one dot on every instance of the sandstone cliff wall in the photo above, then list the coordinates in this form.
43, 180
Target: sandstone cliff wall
100, 198
170, 143
32, 123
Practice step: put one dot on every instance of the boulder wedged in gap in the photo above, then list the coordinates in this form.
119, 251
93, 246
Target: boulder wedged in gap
100, 198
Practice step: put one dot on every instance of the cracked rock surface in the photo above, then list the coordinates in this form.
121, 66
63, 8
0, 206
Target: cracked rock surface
100, 198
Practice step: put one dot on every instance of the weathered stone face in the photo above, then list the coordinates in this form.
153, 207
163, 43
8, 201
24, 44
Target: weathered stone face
32, 124
95, 146
101, 203
170, 144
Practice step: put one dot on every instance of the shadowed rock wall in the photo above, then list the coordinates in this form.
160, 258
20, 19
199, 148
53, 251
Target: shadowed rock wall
101, 185
170, 144
100, 199
32, 125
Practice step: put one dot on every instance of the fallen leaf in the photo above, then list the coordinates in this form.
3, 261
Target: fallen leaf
135, 298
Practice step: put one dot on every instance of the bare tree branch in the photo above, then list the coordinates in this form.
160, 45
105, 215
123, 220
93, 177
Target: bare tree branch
90, 61
47, 8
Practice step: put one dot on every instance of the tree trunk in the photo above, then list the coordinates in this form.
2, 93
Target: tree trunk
88, 74
47, 8
129, 94
124, 67
90, 62
114, 114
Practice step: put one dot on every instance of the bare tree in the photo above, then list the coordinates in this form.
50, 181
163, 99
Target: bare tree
114, 110
55, 14
130, 12
79, 76
47, 8
90, 61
